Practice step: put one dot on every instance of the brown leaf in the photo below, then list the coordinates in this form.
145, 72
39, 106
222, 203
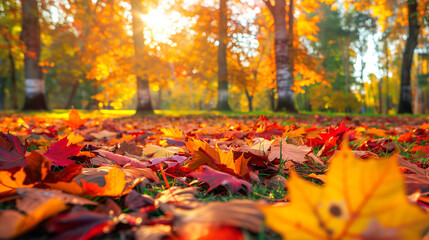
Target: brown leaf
178, 198
130, 148
299, 154
235, 213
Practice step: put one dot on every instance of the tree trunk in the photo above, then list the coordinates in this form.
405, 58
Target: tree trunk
362, 67
144, 104
222, 90
290, 35
30, 35
72, 94
249, 100
407, 59
271, 97
3, 80
93, 103
284, 69
12, 75
380, 96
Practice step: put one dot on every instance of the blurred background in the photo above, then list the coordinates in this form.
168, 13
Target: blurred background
364, 56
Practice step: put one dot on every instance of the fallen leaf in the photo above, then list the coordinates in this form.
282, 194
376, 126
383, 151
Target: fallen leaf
130, 148
215, 179
104, 181
74, 119
360, 199
135, 200
120, 159
292, 152
34, 206
175, 197
169, 161
104, 134
12, 151
60, 152
204, 154
154, 151
80, 224
9, 181
199, 222
174, 133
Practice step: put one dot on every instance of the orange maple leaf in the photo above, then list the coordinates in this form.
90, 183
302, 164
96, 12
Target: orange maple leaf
74, 119
204, 154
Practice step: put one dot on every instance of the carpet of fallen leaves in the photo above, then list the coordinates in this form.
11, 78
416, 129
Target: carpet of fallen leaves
158, 177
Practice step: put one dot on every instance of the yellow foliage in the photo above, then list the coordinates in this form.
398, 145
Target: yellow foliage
361, 199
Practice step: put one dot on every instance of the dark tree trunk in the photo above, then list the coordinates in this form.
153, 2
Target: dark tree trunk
159, 98
362, 67
249, 100
271, 97
34, 83
144, 104
12, 75
284, 69
75, 86
2, 94
407, 59
222, 90
290, 34
93, 103
380, 97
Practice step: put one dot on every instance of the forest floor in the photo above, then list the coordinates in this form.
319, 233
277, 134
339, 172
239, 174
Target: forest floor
68, 174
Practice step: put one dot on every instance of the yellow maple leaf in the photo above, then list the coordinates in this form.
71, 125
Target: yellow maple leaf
362, 199
376, 132
174, 133
74, 138
154, 151
294, 133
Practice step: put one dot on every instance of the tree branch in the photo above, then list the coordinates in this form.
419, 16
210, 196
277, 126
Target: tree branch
269, 6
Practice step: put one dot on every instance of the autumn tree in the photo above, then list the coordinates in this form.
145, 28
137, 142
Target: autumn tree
407, 57
392, 16
144, 104
34, 81
284, 69
222, 101
10, 40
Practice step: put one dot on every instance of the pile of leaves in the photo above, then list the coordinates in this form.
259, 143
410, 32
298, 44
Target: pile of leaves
155, 177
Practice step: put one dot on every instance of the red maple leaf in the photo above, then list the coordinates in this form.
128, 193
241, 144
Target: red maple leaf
59, 153
80, 223
215, 179
12, 151
336, 133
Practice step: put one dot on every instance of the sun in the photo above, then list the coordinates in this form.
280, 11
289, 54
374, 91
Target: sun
161, 25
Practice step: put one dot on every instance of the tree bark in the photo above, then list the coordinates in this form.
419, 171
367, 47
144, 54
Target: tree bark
290, 34
249, 100
12, 74
284, 69
144, 104
222, 91
3, 80
75, 86
407, 59
34, 83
